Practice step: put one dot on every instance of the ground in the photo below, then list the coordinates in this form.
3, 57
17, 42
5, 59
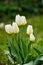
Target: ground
37, 22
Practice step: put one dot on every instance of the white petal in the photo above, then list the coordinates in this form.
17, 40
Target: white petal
23, 20
8, 29
18, 19
29, 29
32, 37
15, 28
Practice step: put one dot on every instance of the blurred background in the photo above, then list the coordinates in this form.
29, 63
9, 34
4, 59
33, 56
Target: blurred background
9, 8
32, 9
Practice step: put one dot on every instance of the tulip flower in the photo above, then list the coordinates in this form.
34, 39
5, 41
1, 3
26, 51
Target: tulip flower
20, 20
32, 37
29, 29
15, 28
23, 20
8, 29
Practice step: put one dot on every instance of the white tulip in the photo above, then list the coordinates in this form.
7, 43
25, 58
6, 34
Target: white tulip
32, 37
15, 28
18, 19
23, 20
8, 29
29, 29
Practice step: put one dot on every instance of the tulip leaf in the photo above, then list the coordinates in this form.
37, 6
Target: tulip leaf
37, 51
20, 45
24, 48
12, 49
30, 63
10, 59
41, 57
39, 60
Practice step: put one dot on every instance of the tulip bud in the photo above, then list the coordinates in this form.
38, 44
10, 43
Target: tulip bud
15, 28
29, 29
32, 37
8, 29
23, 20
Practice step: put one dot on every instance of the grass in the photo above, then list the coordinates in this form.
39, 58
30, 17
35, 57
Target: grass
37, 22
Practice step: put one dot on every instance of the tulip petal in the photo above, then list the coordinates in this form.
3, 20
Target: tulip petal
32, 37
29, 29
15, 28
8, 29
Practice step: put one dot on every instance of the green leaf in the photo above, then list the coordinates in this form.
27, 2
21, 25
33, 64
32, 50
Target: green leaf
20, 46
26, 46
11, 47
13, 51
10, 59
28, 58
39, 60
30, 63
41, 57
37, 51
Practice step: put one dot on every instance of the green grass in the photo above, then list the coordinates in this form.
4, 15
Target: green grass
37, 22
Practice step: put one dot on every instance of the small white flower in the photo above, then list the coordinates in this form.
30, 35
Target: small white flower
23, 20
29, 29
32, 37
20, 20
8, 29
15, 28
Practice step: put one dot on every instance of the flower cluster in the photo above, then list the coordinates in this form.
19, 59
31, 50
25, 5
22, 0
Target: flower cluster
20, 20
20, 52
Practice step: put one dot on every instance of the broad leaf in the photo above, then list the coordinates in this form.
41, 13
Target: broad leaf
30, 63
39, 60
